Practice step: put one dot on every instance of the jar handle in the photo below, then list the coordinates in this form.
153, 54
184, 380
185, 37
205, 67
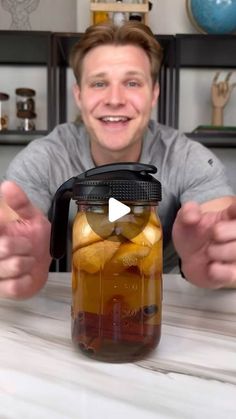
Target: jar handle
59, 218
142, 168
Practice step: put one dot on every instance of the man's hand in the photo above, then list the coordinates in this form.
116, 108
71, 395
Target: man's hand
24, 244
206, 243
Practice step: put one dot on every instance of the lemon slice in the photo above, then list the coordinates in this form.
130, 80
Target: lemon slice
126, 256
152, 263
83, 234
149, 236
92, 258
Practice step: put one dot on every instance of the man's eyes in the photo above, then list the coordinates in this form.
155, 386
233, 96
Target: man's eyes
97, 84
133, 83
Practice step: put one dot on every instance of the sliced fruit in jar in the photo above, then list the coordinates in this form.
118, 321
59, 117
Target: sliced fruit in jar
74, 279
92, 258
126, 256
130, 225
84, 234
150, 235
152, 263
153, 218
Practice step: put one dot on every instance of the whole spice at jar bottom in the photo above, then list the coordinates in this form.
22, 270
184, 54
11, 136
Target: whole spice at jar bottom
24, 99
26, 120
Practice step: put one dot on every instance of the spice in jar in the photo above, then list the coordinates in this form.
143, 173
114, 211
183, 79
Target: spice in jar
25, 99
4, 97
26, 120
25, 108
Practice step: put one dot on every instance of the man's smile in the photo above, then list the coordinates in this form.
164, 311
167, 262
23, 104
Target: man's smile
114, 118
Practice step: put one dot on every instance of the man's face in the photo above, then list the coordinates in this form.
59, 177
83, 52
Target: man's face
116, 97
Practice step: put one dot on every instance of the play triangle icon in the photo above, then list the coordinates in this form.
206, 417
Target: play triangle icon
116, 209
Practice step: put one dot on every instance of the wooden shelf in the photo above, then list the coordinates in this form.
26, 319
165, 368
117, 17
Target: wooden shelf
120, 7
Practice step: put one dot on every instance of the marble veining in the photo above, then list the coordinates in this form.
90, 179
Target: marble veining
192, 373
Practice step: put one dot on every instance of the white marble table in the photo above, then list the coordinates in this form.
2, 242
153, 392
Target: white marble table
192, 374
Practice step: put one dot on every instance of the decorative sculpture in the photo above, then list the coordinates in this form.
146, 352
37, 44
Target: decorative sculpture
220, 95
20, 11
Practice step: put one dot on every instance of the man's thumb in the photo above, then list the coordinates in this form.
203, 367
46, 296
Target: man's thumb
15, 201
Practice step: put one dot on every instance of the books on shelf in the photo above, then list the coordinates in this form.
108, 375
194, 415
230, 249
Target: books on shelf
211, 129
212, 136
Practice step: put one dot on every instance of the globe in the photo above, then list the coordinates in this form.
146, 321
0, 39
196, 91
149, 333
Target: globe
213, 16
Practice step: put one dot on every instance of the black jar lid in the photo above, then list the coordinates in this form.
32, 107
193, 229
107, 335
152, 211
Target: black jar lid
4, 96
126, 182
25, 92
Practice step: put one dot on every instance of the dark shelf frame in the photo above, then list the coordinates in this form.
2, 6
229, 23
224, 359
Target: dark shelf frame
222, 140
16, 137
29, 48
166, 109
204, 51
62, 43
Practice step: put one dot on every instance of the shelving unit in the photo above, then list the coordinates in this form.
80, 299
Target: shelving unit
31, 49
62, 44
205, 52
51, 51
112, 7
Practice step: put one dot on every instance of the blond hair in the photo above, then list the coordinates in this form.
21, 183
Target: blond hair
131, 33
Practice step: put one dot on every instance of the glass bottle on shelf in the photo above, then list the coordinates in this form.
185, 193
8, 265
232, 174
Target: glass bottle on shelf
119, 18
4, 97
100, 16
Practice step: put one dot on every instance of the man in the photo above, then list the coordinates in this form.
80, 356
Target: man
116, 88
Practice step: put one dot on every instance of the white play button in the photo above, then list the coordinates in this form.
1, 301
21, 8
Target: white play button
116, 209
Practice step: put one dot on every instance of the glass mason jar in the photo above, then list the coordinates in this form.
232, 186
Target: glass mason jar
116, 261
4, 111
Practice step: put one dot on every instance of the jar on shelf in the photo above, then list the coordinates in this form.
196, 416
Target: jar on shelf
119, 17
100, 15
136, 15
4, 118
25, 108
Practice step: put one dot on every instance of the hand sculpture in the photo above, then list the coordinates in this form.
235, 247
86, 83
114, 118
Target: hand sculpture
220, 95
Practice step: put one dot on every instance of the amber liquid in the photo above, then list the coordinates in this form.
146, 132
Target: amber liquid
100, 17
117, 295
